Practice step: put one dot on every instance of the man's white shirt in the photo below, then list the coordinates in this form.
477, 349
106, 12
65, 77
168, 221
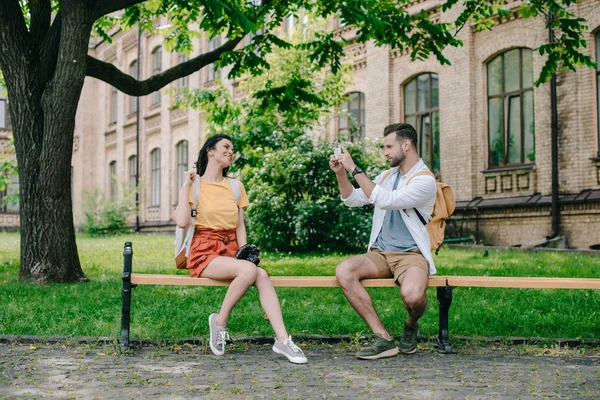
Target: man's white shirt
418, 194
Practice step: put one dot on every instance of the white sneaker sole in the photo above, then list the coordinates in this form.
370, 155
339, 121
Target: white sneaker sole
215, 351
295, 360
387, 353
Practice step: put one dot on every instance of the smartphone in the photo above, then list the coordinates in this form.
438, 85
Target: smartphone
336, 152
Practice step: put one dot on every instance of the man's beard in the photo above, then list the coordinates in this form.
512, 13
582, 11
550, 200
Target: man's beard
395, 161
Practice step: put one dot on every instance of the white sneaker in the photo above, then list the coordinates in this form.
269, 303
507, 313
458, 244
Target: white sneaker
218, 336
290, 350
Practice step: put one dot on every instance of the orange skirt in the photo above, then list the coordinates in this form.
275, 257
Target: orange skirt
208, 244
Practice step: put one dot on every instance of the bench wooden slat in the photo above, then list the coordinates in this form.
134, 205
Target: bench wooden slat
435, 281
524, 282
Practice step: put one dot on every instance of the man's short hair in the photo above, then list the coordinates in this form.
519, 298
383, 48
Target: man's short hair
403, 132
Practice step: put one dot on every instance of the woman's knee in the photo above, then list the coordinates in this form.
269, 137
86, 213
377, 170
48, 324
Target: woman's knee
248, 272
262, 277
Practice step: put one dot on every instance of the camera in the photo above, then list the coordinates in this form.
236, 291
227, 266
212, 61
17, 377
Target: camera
249, 252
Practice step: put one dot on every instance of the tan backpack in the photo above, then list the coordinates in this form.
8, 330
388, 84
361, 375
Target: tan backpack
442, 209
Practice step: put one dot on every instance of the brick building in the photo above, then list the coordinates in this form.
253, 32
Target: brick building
484, 127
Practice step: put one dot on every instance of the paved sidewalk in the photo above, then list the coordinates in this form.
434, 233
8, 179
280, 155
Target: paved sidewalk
91, 371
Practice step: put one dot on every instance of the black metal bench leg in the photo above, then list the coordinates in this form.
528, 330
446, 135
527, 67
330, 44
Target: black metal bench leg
444, 298
126, 305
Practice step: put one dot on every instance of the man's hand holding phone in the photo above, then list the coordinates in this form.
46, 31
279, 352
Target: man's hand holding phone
334, 164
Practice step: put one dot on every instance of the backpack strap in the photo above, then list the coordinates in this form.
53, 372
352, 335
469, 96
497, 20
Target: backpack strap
427, 172
196, 195
235, 187
385, 176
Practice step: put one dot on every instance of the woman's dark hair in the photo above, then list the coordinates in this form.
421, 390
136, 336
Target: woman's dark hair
210, 144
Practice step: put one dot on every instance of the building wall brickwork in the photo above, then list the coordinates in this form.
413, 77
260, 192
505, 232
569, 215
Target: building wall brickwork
381, 73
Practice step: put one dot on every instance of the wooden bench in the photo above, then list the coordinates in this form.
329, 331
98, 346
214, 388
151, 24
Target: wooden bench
444, 285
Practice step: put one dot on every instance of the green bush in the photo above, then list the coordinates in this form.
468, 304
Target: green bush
295, 203
106, 216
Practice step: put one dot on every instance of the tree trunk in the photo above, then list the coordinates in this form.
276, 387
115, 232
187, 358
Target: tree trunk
43, 113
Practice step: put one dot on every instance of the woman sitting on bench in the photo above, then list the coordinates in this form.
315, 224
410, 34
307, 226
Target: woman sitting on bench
219, 234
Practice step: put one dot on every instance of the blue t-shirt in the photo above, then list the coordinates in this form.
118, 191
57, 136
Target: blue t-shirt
394, 235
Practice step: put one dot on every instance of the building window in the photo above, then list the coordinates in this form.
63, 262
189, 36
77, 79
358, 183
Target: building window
133, 101
422, 111
132, 175
155, 185
4, 112
290, 23
182, 162
351, 117
114, 105
183, 81
112, 176
511, 131
156, 69
213, 72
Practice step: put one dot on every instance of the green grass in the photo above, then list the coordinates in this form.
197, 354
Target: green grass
94, 308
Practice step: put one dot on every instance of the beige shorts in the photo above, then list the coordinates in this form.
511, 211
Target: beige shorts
395, 263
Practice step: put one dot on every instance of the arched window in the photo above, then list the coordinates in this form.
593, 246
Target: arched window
422, 111
156, 69
133, 71
182, 163
183, 81
132, 174
155, 184
213, 72
511, 131
351, 117
112, 176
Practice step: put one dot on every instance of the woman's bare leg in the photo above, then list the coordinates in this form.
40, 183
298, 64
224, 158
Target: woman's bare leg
270, 303
243, 273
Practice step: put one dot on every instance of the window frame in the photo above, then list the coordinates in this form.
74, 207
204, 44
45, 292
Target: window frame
506, 98
112, 179
133, 100
429, 111
114, 105
155, 177
212, 73
156, 57
360, 124
184, 81
181, 165
132, 164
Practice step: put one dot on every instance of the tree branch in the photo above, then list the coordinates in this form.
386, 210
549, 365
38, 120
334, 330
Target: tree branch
13, 31
125, 83
41, 12
104, 7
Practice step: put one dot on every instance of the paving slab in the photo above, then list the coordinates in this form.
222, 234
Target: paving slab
184, 371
